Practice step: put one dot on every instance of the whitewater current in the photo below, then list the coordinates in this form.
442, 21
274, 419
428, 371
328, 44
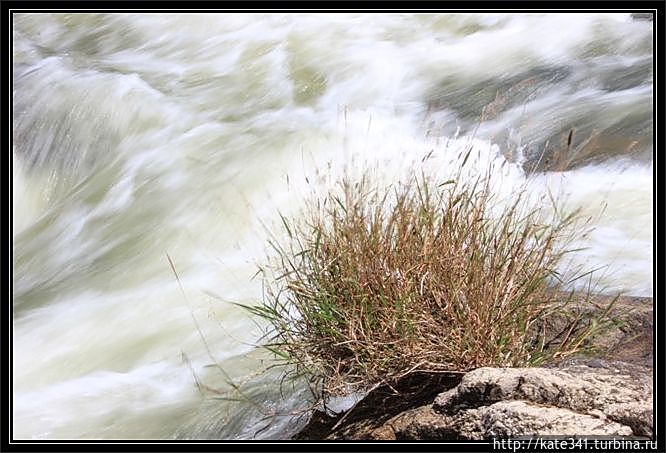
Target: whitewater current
146, 140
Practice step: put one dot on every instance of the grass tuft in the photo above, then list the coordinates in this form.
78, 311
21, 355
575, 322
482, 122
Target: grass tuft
374, 283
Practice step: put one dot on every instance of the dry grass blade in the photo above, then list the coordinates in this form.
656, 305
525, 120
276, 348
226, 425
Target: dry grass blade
375, 283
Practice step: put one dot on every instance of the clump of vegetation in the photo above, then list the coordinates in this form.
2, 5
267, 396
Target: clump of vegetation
375, 283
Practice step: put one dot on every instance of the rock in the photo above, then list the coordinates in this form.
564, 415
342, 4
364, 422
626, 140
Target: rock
580, 397
366, 419
520, 418
637, 416
631, 340
601, 398
578, 387
642, 16
504, 419
421, 423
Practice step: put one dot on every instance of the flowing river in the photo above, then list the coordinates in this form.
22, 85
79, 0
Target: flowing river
144, 138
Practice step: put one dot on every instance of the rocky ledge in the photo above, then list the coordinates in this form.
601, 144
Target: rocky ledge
609, 395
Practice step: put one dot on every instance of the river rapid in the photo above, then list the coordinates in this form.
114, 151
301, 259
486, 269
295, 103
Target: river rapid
139, 138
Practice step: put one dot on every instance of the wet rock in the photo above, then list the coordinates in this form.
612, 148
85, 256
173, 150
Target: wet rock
642, 16
486, 99
366, 419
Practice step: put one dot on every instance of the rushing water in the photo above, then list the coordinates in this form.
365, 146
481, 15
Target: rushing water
141, 135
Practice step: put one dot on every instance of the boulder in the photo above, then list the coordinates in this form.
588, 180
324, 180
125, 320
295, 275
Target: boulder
512, 418
578, 398
642, 16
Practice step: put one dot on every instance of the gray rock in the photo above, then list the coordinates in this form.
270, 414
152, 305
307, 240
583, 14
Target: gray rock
520, 418
642, 16
612, 391
504, 419
583, 397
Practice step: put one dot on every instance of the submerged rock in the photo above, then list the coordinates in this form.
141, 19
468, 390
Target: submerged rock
642, 16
